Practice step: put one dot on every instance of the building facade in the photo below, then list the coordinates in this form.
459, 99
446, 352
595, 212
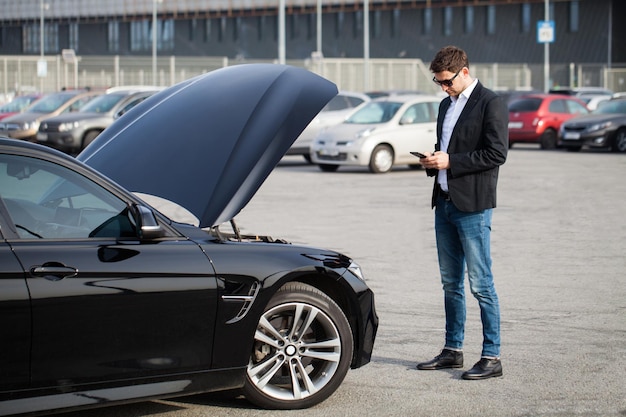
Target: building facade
503, 31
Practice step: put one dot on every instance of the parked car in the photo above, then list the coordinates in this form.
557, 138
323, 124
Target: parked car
337, 109
380, 134
592, 101
25, 125
605, 127
536, 118
580, 91
18, 105
394, 92
72, 132
104, 299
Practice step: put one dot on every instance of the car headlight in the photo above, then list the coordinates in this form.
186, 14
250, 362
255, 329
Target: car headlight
600, 126
66, 127
356, 271
365, 132
30, 126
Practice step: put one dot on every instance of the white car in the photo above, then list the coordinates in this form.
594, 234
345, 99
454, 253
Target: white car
380, 134
335, 112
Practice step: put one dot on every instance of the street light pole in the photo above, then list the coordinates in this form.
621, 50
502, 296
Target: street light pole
154, 42
41, 29
319, 27
546, 51
366, 45
281, 32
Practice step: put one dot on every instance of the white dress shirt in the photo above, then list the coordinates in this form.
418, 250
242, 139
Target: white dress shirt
452, 115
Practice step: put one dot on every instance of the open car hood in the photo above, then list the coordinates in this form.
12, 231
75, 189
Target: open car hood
208, 143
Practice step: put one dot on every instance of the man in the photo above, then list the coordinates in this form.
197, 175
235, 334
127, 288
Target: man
472, 142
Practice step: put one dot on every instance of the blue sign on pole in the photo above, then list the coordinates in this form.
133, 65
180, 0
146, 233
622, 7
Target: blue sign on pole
545, 31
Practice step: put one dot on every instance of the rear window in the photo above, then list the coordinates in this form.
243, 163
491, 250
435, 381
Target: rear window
525, 104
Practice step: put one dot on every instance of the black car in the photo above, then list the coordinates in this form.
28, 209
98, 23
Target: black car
104, 299
605, 127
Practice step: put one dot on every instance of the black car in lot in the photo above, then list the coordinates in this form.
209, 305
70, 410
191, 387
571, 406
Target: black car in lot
105, 299
605, 127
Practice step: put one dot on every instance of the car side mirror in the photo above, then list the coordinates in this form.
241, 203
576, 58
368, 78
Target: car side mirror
149, 227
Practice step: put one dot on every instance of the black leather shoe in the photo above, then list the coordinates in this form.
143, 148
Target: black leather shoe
446, 359
484, 368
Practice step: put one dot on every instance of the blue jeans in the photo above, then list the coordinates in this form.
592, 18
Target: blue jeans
464, 239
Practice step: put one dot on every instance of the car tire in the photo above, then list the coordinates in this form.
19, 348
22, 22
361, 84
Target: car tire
302, 350
619, 141
381, 160
548, 139
328, 167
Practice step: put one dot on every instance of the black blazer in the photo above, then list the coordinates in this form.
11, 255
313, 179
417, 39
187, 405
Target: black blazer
478, 146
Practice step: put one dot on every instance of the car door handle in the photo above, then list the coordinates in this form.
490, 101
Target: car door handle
53, 271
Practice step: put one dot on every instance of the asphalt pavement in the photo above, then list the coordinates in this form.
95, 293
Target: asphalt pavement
559, 260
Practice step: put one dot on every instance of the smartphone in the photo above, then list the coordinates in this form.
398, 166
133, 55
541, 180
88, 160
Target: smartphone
418, 154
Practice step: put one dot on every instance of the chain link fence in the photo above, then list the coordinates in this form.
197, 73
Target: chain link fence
19, 74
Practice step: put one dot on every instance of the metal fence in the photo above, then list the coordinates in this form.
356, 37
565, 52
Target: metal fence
25, 73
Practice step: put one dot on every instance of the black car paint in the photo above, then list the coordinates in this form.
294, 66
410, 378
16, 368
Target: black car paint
130, 325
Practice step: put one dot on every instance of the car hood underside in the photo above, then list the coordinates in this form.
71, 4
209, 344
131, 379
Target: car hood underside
208, 143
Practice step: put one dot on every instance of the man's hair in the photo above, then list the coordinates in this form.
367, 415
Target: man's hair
449, 58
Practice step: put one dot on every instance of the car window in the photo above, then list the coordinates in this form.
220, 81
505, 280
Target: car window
337, 103
49, 201
354, 101
557, 106
129, 106
434, 110
75, 106
51, 103
575, 107
417, 113
609, 107
102, 104
375, 112
525, 105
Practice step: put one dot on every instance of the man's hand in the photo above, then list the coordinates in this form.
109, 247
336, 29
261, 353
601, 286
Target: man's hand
437, 160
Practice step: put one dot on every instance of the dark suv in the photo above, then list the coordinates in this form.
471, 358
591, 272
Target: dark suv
72, 132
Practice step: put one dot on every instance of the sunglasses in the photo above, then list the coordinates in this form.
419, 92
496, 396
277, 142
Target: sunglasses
446, 83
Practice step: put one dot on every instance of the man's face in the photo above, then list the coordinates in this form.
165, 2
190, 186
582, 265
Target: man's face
452, 83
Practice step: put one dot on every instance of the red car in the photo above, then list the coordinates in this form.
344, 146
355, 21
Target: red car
18, 105
536, 118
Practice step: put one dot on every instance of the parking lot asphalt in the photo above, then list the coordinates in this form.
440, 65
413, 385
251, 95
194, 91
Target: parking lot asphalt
559, 260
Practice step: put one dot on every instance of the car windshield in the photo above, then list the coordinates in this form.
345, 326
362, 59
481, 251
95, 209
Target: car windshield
51, 103
525, 105
17, 104
102, 104
611, 107
375, 112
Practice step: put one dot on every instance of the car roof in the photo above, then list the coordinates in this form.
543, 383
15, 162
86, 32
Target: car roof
406, 98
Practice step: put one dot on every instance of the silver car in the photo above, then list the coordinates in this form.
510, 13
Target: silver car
335, 112
380, 134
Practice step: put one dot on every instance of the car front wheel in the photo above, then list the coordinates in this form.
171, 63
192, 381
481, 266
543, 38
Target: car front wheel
302, 350
619, 142
381, 160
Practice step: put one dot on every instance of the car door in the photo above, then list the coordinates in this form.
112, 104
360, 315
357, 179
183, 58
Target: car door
416, 132
14, 317
106, 305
